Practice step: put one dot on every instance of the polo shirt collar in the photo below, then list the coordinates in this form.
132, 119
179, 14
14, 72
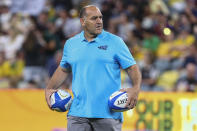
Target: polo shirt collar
97, 39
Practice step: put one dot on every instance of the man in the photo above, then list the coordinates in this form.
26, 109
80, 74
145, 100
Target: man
95, 58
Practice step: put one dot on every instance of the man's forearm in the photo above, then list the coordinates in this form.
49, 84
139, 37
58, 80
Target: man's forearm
135, 76
57, 79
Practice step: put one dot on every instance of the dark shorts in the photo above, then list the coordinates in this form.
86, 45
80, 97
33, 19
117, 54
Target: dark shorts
92, 124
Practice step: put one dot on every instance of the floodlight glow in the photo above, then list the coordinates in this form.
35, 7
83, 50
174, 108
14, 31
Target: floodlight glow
166, 31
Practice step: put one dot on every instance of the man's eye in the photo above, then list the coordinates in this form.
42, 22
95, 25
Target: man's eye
94, 18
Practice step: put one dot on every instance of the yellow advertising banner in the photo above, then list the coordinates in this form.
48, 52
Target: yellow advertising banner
26, 110
163, 112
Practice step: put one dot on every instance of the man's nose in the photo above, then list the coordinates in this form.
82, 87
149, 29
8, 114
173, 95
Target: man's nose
98, 20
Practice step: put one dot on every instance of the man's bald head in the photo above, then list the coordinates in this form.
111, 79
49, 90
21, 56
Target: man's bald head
83, 11
91, 21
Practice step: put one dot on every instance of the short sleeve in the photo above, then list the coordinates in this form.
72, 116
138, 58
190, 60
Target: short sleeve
64, 61
123, 55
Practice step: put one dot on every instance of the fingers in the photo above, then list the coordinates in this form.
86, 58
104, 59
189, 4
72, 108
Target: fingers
131, 104
132, 97
48, 93
123, 90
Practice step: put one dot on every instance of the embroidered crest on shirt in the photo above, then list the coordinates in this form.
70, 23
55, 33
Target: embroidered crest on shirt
103, 47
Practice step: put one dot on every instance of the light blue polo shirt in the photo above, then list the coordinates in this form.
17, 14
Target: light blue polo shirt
96, 69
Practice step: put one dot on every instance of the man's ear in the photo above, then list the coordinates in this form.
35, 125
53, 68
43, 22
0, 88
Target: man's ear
82, 21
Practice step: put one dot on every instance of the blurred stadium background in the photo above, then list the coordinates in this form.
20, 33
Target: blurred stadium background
161, 34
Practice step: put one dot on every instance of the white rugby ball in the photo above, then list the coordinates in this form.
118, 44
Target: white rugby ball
117, 101
61, 101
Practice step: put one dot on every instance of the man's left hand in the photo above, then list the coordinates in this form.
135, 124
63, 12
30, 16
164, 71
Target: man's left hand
132, 97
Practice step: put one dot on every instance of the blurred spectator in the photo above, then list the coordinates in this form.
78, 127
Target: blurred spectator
182, 42
52, 40
35, 58
191, 10
188, 82
125, 27
150, 41
149, 72
16, 69
118, 8
4, 72
195, 31
106, 11
171, 52
164, 57
160, 21
167, 80
191, 56
11, 71
53, 63
11, 42
31, 7
69, 26
177, 6
158, 6
183, 23
62, 4
148, 19
41, 21
5, 16
135, 46
138, 29
139, 7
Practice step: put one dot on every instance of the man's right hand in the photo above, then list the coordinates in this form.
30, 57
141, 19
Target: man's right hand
54, 83
48, 93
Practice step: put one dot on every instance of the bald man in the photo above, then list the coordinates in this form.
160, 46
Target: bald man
95, 57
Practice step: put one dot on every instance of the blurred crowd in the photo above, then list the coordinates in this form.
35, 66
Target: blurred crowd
161, 34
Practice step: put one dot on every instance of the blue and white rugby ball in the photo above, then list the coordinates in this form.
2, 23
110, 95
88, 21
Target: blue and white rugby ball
117, 101
61, 101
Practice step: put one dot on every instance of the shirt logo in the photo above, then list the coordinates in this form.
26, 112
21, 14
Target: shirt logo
103, 47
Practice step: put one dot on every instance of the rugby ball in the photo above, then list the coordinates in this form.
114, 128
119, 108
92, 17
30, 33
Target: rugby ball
60, 101
117, 101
